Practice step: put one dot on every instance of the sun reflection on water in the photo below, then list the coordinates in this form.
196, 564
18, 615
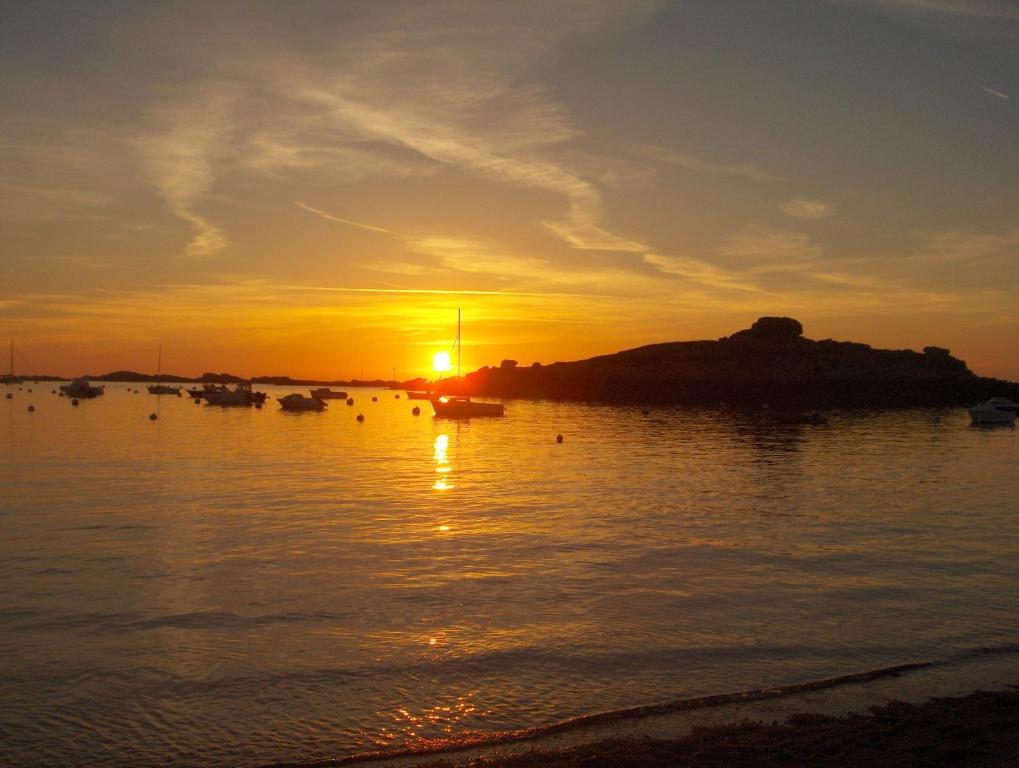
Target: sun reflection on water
442, 467
443, 718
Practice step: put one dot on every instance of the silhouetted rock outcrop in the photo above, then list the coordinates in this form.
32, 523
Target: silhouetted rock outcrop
769, 363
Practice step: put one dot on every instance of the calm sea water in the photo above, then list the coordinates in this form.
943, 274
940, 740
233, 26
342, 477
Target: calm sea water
240, 586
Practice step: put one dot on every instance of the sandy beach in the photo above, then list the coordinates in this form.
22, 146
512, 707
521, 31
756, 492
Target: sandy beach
981, 729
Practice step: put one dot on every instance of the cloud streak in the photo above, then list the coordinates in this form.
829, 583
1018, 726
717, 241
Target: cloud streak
977, 9
999, 94
184, 138
799, 208
698, 165
348, 222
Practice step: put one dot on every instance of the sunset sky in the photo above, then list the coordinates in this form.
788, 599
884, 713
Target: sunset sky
313, 189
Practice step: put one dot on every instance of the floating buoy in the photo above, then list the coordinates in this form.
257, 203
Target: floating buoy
10, 396
350, 401
31, 408
558, 438
375, 399
416, 411
397, 397
74, 401
152, 417
53, 391
360, 417
29, 389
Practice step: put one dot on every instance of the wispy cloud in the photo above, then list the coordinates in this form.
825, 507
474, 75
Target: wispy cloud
49, 172
967, 246
800, 208
456, 92
348, 222
183, 138
999, 94
979, 9
700, 272
760, 246
699, 165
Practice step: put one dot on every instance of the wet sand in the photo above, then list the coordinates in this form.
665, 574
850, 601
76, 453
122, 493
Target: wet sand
981, 729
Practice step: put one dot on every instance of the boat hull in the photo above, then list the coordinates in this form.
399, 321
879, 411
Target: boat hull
82, 389
235, 397
987, 416
301, 403
466, 409
328, 394
162, 389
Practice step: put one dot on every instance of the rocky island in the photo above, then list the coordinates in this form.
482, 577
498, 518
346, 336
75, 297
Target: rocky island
770, 363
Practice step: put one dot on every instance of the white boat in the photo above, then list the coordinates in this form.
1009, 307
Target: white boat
324, 393
240, 395
450, 407
298, 402
987, 414
412, 395
1003, 404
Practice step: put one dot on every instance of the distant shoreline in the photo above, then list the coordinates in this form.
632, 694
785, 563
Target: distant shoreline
131, 377
769, 364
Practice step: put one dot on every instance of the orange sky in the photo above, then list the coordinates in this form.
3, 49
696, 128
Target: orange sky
314, 192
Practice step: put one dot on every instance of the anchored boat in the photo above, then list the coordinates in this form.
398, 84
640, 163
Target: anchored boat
80, 388
298, 402
997, 410
448, 407
457, 406
240, 395
324, 393
162, 389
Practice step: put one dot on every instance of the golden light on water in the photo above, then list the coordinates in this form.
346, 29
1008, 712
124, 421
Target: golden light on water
442, 466
441, 362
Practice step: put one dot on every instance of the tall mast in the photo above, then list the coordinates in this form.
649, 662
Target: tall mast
12, 358
458, 342
159, 361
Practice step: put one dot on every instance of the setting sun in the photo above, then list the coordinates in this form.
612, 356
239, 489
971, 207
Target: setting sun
440, 362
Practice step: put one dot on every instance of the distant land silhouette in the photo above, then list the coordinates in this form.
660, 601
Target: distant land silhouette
770, 363
284, 381
229, 378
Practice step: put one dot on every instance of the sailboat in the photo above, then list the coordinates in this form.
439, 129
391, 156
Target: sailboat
10, 378
462, 407
162, 389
